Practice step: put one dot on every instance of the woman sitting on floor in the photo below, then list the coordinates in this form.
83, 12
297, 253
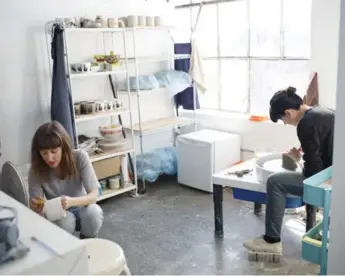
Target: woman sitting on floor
59, 171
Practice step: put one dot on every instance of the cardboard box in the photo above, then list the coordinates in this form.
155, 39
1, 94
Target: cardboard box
107, 167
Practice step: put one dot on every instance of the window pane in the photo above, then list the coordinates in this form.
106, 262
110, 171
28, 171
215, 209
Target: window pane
297, 28
183, 25
210, 99
206, 30
233, 28
267, 77
234, 85
265, 28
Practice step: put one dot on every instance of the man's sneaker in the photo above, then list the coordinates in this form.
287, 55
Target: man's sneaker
260, 245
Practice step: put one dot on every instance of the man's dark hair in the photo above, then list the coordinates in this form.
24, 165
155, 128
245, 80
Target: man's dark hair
282, 101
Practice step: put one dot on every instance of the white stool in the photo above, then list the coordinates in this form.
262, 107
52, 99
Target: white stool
105, 257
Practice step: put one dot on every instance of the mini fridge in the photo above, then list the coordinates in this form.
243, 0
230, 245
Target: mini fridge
202, 153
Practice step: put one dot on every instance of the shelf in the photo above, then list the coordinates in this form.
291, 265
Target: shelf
311, 247
161, 124
94, 30
115, 30
94, 74
134, 91
94, 157
317, 191
99, 115
156, 58
316, 187
111, 193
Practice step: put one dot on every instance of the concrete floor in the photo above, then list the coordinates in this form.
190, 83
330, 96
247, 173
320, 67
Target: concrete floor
170, 231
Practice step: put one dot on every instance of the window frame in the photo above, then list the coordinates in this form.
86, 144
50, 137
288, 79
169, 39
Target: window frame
248, 58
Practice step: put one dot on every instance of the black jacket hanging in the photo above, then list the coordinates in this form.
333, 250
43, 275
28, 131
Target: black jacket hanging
61, 100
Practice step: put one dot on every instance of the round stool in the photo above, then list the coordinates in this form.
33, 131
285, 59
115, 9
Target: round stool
105, 257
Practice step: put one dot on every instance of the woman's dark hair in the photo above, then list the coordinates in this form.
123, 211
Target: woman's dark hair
50, 136
282, 101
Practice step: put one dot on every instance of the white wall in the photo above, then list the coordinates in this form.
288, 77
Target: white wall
336, 264
255, 135
24, 79
324, 47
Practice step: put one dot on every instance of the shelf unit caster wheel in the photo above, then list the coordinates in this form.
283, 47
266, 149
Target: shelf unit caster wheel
141, 187
134, 194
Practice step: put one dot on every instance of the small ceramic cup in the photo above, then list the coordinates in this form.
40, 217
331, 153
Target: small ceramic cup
115, 23
87, 67
142, 21
132, 21
70, 22
158, 21
150, 21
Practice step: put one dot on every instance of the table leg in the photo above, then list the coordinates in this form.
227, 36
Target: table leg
311, 217
257, 208
218, 210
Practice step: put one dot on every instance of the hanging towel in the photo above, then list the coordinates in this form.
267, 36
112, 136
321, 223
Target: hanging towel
61, 100
312, 96
196, 68
185, 98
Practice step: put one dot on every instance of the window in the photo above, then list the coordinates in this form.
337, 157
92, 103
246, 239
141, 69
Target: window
251, 49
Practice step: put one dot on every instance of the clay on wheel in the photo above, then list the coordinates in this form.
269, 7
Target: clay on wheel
288, 162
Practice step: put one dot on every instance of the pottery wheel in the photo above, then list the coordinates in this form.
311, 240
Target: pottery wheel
274, 165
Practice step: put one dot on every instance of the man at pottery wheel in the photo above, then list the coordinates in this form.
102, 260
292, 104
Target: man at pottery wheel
315, 127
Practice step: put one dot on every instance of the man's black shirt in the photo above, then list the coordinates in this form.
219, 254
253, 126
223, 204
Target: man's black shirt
315, 133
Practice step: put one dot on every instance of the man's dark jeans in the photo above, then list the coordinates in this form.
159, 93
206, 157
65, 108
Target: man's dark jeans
278, 186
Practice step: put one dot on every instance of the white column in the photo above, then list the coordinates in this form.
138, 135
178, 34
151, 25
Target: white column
324, 47
336, 259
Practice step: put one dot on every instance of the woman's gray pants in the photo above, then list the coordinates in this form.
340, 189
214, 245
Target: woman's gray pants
88, 220
278, 186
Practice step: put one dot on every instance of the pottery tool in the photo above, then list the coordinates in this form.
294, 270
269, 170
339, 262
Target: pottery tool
265, 257
239, 173
46, 246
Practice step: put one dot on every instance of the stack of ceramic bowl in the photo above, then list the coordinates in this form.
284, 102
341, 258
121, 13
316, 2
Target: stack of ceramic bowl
113, 138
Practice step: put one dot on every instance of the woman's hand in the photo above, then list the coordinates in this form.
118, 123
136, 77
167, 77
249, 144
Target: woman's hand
67, 202
295, 153
37, 204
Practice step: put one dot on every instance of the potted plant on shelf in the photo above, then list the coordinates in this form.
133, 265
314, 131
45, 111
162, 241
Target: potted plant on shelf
100, 61
112, 61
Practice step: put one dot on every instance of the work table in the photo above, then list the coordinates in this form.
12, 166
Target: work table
68, 256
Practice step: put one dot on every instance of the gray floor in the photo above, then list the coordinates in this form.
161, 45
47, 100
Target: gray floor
170, 231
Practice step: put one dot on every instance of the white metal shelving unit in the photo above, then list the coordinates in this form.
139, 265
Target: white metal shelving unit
110, 114
159, 124
141, 128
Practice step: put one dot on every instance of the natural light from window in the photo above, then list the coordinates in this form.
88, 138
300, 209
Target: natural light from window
251, 49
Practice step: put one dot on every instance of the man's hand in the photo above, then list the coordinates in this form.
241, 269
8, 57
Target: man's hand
66, 202
37, 204
294, 152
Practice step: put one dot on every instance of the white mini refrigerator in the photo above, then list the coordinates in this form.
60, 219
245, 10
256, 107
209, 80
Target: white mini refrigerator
202, 153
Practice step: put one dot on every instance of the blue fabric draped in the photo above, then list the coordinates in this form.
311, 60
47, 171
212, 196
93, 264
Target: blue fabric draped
185, 98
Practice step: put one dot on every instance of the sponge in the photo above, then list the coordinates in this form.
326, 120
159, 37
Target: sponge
288, 162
